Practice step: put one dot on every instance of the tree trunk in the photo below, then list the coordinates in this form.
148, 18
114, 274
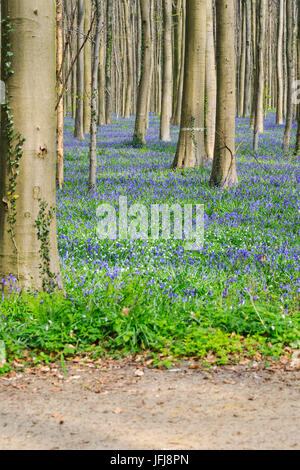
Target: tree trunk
78, 133
129, 87
247, 91
145, 79
224, 166
28, 242
279, 112
108, 64
191, 148
177, 48
101, 74
177, 110
59, 86
254, 69
94, 98
290, 73
87, 70
259, 100
242, 61
297, 148
167, 81
211, 84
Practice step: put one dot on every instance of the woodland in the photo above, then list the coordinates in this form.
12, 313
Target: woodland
160, 102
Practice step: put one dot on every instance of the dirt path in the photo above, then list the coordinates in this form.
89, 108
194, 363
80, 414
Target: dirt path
121, 407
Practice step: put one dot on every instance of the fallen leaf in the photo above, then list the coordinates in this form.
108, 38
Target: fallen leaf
295, 364
125, 311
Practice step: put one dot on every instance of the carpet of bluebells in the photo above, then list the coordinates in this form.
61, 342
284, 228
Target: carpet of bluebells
236, 296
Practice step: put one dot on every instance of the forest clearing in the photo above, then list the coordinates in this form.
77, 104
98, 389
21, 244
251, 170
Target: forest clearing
149, 242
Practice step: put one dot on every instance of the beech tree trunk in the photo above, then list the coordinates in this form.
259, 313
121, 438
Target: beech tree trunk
224, 165
78, 133
290, 73
279, 112
94, 98
210, 84
27, 175
145, 79
259, 99
247, 91
242, 61
108, 64
191, 147
167, 82
60, 107
297, 148
254, 54
129, 87
101, 74
87, 70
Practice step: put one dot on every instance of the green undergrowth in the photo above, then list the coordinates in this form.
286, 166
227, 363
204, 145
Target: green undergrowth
124, 319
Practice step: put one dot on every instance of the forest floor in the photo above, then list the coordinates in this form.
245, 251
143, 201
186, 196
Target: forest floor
120, 405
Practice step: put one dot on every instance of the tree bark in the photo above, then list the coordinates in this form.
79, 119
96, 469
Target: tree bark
224, 166
101, 74
279, 112
191, 147
211, 84
27, 169
247, 91
242, 61
108, 64
297, 148
94, 98
167, 81
145, 79
129, 87
177, 111
290, 73
259, 100
78, 133
60, 107
87, 70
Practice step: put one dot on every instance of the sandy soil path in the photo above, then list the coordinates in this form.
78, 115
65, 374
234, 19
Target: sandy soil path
117, 406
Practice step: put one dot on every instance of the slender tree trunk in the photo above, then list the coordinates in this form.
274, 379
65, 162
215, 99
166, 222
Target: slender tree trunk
28, 242
79, 74
145, 80
254, 70
224, 166
129, 87
242, 61
191, 148
108, 64
259, 102
211, 84
290, 73
101, 74
297, 148
167, 82
177, 111
87, 70
94, 98
247, 91
60, 107
177, 48
279, 112
285, 76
